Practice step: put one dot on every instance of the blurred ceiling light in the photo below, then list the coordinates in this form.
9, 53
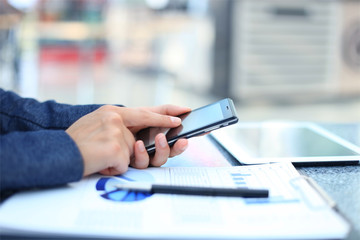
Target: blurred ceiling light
157, 4
23, 5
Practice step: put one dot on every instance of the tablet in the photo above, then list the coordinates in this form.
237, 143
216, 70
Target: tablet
300, 143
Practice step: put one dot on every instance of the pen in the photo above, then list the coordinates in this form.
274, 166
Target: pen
192, 190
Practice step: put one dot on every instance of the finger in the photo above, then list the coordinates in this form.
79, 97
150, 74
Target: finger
162, 151
169, 109
121, 149
141, 157
136, 117
179, 147
111, 172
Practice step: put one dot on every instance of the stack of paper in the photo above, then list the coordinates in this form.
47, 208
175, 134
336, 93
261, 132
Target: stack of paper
94, 207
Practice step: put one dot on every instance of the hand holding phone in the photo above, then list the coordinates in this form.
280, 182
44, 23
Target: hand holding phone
197, 122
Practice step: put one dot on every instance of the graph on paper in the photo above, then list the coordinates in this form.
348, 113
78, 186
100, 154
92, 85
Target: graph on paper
254, 177
106, 186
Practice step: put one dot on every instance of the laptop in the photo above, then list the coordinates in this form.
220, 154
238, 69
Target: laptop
301, 143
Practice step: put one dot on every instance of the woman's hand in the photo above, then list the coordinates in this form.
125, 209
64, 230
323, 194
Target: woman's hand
106, 137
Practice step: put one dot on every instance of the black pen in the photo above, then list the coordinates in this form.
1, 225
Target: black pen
194, 190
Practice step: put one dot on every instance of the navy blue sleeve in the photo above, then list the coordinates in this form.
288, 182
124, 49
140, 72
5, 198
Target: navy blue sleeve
35, 150
38, 159
27, 114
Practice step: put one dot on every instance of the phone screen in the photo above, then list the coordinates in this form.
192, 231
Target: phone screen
192, 122
197, 119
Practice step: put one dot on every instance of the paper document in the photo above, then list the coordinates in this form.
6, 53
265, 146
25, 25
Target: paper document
94, 207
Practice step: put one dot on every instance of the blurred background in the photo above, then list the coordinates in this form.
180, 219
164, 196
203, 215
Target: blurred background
277, 59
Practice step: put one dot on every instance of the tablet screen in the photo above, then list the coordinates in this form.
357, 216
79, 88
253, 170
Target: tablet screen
257, 143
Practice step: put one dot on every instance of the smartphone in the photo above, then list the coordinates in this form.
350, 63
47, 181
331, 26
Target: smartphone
199, 121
